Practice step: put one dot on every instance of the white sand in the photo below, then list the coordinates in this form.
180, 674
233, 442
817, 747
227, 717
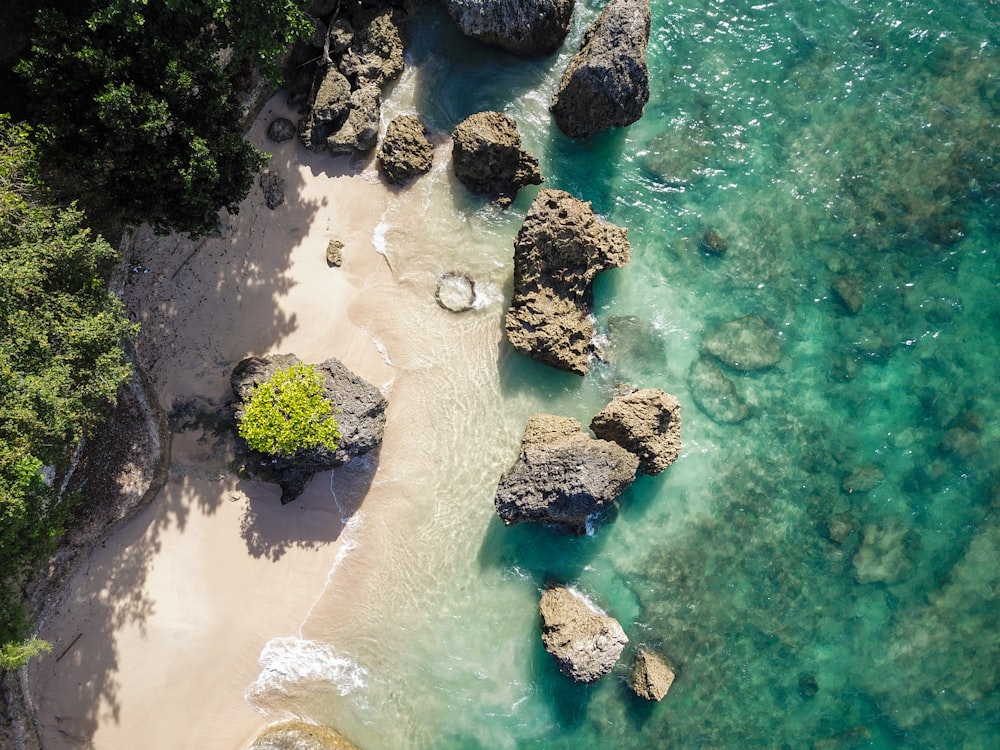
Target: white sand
158, 637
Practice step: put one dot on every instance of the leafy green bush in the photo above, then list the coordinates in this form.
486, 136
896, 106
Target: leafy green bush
289, 412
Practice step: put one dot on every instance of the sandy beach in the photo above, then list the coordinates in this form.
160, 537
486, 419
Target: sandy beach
155, 640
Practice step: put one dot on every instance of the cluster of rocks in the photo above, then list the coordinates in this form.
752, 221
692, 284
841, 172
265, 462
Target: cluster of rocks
587, 643
359, 408
566, 479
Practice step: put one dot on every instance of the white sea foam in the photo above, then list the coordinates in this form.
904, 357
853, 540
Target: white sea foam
291, 662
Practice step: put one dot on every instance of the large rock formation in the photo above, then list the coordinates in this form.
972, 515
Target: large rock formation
558, 252
360, 413
405, 150
585, 641
527, 28
606, 84
563, 477
488, 158
300, 735
651, 676
646, 423
362, 51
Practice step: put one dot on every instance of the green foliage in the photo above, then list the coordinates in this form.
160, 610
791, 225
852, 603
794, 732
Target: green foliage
137, 100
289, 412
16, 655
61, 362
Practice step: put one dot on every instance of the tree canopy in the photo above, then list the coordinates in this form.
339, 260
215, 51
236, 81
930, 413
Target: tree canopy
61, 361
137, 101
289, 412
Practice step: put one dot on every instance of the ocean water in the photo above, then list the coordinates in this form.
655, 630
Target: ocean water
822, 564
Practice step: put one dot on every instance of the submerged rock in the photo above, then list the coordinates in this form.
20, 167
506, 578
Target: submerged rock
678, 156
561, 247
360, 414
405, 150
713, 243
646, 423
456, 291
585, 642
886, 553
488, 158
715, 394
849, 292
527, 28
563, 477
748, 343
651, 676
300, 735
606, 84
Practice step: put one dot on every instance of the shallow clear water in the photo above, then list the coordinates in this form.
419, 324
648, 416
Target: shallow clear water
823, 573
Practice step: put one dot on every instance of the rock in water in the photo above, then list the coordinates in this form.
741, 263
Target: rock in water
606, 84
747, 343
561, 247
360, 413
488, 157
715, 394
651, 675
646, 423
563, 477
456, 292
405, 150
299, 735
585, 641
527, 27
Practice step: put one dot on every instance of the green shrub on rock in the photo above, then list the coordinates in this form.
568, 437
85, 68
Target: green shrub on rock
289, 412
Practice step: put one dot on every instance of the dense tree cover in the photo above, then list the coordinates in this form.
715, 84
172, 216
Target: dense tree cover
61, 362
289, 412
137, 102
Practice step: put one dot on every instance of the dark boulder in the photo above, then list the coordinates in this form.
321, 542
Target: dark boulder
606, 84
527, 28
405, 150
360, 413
488, 158
561, 247
646, 423
563, 478
585, 641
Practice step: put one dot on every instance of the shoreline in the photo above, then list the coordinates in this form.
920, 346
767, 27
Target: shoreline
163, 600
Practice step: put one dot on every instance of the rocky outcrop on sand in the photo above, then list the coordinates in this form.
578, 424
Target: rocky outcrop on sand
300, 735
527, 28
561, 247
745, 344
606, 84
563, 477
273, 187
646, 423
488, 158
585, 642
651, 676
362, 51
360, 413
405, 151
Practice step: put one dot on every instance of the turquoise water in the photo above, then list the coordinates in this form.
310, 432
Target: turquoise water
825, 572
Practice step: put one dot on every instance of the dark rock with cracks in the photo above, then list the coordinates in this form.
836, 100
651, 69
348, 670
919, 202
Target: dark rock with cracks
359, 131
273, 187
646, 423
651, 676
359, 411
563, 478
329, 109
606, 84
405, 150
488, 158
585, 641
527, 28
561, 247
